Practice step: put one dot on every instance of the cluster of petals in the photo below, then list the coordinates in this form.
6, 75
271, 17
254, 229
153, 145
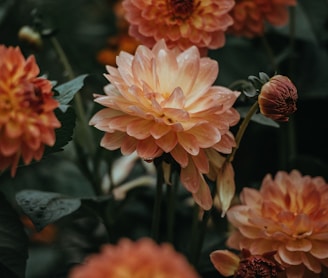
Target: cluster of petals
163, 100
250, 16
27, 119
287, 215
140, 259
180, 23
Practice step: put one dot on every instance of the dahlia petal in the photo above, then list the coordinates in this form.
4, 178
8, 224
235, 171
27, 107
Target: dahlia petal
235, 239
9, 147
226, 186
128, 145
188, 142
13, 129
238, 215
302, 224
207, 74
190, 177
302, 244
166, 71
139, 129
226, 143
119, 123
252, 232
147, 149
189, 65
201, 162
167, 142
292, 258
225, 262
311, 263
251, 196
112, 141
175, 100
203, 195
319, 249
206, 135
159, 130
180, 156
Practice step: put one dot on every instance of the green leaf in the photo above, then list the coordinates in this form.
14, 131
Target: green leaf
13, 241
44, 208
65, 132
67, 91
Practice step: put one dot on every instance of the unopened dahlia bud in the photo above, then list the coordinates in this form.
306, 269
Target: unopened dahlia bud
277, 99
30, 36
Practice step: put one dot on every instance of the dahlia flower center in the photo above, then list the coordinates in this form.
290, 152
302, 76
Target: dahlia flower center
257, 266
32, 98
181, 9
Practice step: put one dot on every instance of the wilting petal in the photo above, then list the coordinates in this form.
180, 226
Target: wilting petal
226, 187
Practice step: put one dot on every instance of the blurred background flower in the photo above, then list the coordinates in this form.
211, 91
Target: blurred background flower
252, 16
180, 23
27, 119
143, 258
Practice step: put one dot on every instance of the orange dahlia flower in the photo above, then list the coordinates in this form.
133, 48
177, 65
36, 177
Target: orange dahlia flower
250, 16
180, 23
287, 215
143, 258
27, 119
162, 101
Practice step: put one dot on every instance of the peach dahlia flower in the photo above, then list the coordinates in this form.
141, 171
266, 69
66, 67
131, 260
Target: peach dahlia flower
162, 101
27, 119
140, 259
287, 215
250, 16
180, 23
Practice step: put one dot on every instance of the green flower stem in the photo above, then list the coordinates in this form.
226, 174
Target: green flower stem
242, 129
270, 53
157, 204
171, 197
84, 126
198, 235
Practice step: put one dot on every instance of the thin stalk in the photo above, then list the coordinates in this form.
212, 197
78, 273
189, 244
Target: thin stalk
157, 203
171, 200
79, 109
198, 235
242, 129
269, 52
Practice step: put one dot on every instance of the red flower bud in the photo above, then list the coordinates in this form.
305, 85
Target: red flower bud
277, 99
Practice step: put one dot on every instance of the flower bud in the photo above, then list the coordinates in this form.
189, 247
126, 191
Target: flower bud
32, 37
277, 99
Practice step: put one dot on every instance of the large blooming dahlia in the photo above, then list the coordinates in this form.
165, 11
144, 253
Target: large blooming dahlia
162, 101
288, 215
141, 259
250, 16
180, 23
27, 119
